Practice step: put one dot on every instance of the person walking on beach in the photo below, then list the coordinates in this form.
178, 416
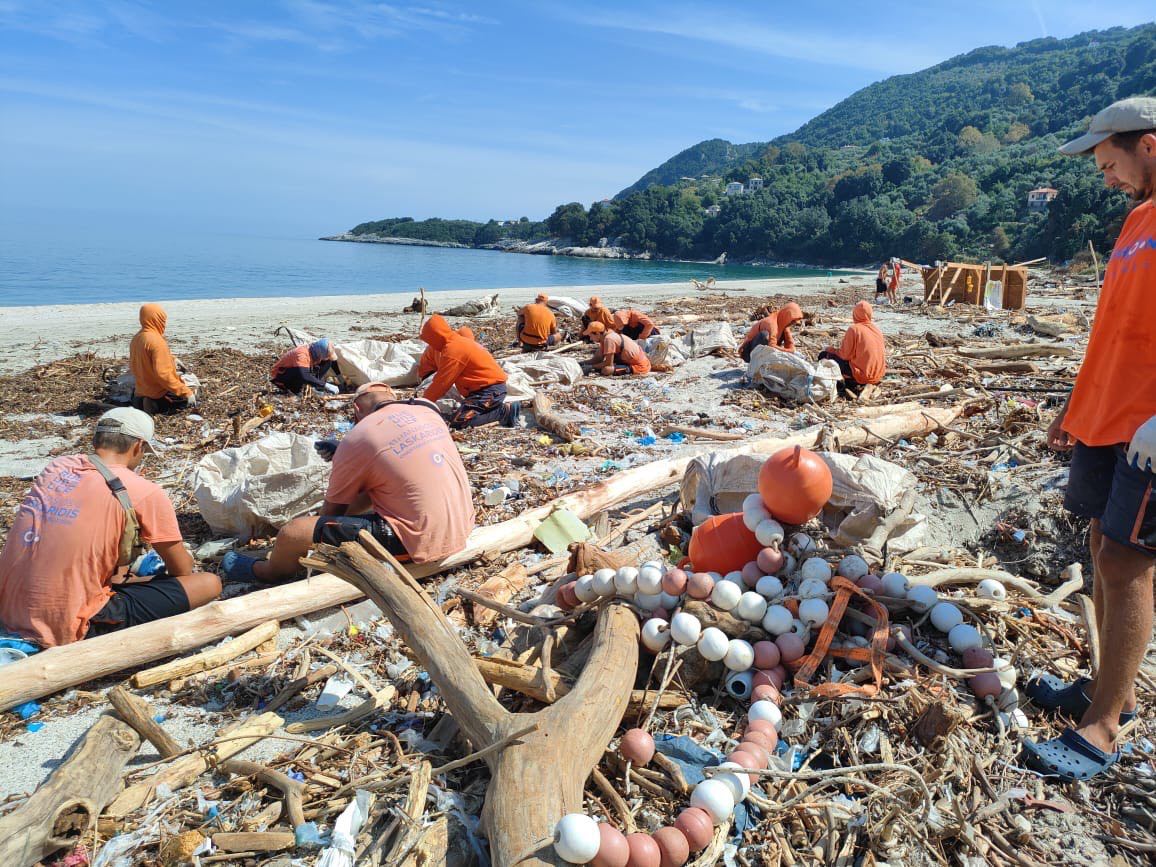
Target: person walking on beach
893, 284
158, 387
64, 567
537, 325
307, 364
862, 356
397, 475
881, 282
1109, 424
616, 355
468, 366
634, 324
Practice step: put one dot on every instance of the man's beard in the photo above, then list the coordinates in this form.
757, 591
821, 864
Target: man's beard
1147, 188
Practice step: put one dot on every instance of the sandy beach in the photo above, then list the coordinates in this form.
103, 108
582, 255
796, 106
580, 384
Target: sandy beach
38, 334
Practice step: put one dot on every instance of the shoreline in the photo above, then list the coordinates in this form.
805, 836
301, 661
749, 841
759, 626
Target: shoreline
43, 333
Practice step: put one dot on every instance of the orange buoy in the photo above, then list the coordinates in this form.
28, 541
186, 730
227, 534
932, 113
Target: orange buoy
795, 484
722, 543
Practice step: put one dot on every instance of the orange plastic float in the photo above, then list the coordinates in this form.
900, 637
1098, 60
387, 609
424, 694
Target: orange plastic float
795, 484
722, 543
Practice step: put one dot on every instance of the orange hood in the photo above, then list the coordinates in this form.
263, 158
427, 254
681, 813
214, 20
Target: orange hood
788, 314
863, 312
437, 332
153, 318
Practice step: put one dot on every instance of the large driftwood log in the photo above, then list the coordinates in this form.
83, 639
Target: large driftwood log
1018, 350
62, 812
548, 420
539, 778
61, 667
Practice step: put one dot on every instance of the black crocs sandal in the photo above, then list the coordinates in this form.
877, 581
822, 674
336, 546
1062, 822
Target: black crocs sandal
1048, 692
1070, 757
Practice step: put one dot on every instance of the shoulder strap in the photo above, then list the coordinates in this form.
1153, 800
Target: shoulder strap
130, 542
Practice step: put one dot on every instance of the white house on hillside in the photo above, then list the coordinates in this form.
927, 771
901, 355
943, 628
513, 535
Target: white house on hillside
1038, 199
754, 184
734, 188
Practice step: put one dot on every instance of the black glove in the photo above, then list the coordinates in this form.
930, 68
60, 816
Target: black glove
326, 448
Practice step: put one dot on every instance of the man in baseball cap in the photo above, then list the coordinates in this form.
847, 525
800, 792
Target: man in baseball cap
1109, 424
86, 519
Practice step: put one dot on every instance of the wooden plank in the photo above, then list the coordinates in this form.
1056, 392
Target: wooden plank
208, 659
254, 841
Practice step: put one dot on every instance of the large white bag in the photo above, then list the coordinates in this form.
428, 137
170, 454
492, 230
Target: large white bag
362, 361
255, 489
792, 377
543, 369
707, 337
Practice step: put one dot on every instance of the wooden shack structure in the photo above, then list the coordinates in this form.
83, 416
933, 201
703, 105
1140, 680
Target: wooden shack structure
966, 283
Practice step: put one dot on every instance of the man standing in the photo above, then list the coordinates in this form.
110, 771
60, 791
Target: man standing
159, 389
468, 366
397, 474
1109, 421
307, 364
893, 285
64, 565
537, 325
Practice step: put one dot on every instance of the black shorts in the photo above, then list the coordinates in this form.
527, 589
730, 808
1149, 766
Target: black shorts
1103, 486
336, 529
137, 603
880, 286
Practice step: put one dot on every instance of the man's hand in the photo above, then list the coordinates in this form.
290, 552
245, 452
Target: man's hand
1059, 440
1142, 448
326, 448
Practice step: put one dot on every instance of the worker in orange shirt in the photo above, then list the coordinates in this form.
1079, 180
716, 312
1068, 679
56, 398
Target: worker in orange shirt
862, 356
1109, 424
427, 365
537, 325
893, 283
159, 389
468, 366
617, 354
307, 364
634, 324
598, 312
773, 329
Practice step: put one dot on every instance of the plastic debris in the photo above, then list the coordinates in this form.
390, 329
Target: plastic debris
343, 840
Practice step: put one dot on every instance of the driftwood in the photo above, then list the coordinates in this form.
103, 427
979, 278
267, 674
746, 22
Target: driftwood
1018, 350
535, 781
1006, 367
209, 659
254, 841
62, 812
548, 420
61, 667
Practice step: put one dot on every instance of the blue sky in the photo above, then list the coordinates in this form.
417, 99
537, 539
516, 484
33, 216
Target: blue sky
307, 116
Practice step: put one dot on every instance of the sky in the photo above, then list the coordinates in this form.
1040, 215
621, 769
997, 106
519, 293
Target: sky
305, 117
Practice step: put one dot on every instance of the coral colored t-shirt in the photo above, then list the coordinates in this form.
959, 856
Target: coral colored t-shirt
769, 324
298, 356
1115, 390
62, 550
403, 458
625, 351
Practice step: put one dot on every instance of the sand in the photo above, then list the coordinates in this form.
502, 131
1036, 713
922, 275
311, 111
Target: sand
35, 335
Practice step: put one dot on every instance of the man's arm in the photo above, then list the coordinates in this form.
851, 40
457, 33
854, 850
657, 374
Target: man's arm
178, 561
1060, 440
448, 371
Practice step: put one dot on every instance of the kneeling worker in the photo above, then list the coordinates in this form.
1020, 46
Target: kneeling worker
862, 357
397, 474
469, 366
634, 324
537, 325
84, 521
774, 329
598, 312
427, 365
617, 354
305, 365
159, 389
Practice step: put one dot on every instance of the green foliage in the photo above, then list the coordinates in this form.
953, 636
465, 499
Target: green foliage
929, 166
465, 232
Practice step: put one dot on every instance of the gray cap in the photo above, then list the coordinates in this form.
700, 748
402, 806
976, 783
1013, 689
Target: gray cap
1127, 115
130, 422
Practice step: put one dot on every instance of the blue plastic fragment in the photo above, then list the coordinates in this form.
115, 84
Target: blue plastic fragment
307, 835
675, 437
26, 710
19, 644
691, 758
35, 726
1019, 535
160, 717
647, 440
150, 564
212, 812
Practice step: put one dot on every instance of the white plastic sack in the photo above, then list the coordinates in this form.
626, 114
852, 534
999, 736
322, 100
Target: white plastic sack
707, 337
256, 488
717, 483
543, 368
363, 361
566, 305
664, 351
792, 377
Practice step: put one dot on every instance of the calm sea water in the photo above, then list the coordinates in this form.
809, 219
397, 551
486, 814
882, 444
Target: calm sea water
63, 267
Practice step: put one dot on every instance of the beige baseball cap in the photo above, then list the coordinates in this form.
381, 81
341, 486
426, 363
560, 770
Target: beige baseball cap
130, 422
1127, 115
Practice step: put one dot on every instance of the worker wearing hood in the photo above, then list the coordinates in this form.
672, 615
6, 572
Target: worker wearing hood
468, 366
598, 312
158, 387
791, 314
862, 355
773, 329
307, 364
427, 365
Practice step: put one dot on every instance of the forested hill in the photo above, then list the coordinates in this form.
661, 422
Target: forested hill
931, 165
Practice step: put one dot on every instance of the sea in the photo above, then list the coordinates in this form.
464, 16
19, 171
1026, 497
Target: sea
66, 267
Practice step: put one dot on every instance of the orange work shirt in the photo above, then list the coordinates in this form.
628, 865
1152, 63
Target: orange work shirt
634, 319
150, 359
298, 356
769, 324
625, 351
538, 323
403, 458
461, 362
1115, 390
603, 315
863, 347
61, 555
